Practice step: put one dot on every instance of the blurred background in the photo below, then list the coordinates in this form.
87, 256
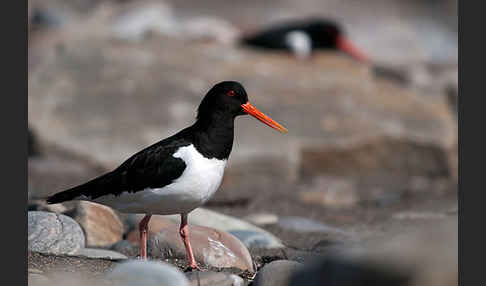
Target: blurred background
372, 147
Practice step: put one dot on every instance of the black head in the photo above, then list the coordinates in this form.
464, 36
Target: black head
327, 34
228, 99
324, 34
225, 97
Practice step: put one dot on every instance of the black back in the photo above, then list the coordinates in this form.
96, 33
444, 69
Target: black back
323, 33
155, 166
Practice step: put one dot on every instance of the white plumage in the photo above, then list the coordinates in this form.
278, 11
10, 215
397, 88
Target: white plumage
199, 181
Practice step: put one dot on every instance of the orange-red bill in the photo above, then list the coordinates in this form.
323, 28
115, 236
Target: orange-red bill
250, 109
346, 46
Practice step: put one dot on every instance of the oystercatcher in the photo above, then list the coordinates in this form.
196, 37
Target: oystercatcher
302, 37
177, 174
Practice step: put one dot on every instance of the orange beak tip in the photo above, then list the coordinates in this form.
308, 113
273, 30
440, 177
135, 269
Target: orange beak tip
251, 110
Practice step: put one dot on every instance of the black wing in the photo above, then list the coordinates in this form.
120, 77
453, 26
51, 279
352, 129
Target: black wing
153, 167
273, 37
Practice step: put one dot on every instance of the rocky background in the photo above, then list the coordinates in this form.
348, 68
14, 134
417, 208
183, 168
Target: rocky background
361, 191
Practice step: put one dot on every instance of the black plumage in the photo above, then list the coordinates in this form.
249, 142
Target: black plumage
323, 34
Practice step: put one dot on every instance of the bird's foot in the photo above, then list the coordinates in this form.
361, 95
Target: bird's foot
193, 266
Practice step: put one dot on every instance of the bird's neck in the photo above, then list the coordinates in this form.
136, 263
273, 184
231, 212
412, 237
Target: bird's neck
213, 135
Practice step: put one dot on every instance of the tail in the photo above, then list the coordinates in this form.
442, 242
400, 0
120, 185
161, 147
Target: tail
91, 190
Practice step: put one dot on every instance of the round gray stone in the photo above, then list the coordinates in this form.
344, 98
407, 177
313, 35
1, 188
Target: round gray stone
277, 273
252, 238
54, 233
147, 273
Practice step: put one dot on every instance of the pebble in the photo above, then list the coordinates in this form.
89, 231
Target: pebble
100, 253
277, 273
147, 273
54, 233
210, 278
126, 247
100, 223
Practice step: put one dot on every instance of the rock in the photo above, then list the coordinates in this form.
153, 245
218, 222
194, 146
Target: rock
100, 253
147, 273
252, 238
209, 278
331, 192
41, 205
262, 218
300, 224
126, 247
378, 156
208, 218
54, 233
100, 223
277, 273
211, 246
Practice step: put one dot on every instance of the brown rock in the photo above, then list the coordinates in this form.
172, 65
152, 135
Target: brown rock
377, 156
100, 223
211, 247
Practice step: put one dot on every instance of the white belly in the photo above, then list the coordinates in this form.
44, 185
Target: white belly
199, 181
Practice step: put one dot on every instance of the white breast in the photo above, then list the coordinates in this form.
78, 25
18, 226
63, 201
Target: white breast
199, 181
300, 43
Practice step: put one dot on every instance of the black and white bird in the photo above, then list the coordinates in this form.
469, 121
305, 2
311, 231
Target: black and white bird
177, 174
303, 37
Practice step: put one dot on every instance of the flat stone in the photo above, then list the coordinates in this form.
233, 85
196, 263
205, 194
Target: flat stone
54, 233
235, 226
100, 223
100, 253
277, 273
147, 273
211, 247
210, 278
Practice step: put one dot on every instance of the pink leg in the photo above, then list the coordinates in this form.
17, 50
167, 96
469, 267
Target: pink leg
184, 232
143, 226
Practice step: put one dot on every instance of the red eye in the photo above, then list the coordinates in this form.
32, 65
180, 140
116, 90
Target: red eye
231, 93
